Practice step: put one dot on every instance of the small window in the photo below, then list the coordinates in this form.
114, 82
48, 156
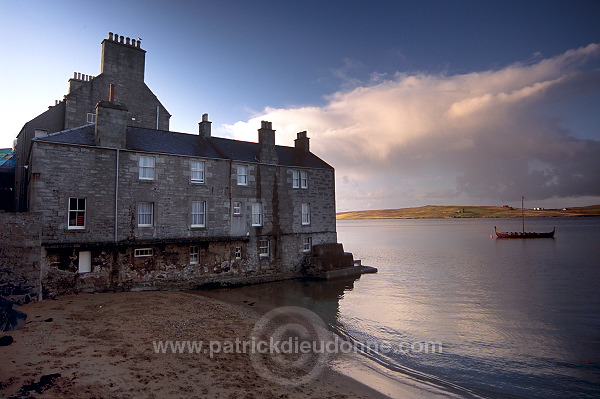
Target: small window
299, 179
143, 252
303, 179
264, 248
257, 217
91, 117
198, 213
146, 168
242, 175
305, 213
194, 255
197, 172
238, 252
237, 208
307, 244
145, 214
76, 213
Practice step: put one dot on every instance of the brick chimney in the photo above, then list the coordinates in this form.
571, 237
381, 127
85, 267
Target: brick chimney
302, 142
204, 126
266, 141
123, 57
111, 123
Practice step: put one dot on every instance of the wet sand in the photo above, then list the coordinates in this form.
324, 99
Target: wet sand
101, 345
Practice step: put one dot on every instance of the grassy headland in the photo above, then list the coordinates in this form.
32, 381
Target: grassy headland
436, 212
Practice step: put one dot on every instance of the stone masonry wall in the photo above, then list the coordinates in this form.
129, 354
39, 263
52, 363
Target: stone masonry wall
20, 256
90, 172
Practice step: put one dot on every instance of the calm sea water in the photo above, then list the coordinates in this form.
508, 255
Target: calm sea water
517, 318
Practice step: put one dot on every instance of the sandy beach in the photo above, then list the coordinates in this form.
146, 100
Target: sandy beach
101, 345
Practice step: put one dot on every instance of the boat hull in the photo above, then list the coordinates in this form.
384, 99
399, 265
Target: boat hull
526, 234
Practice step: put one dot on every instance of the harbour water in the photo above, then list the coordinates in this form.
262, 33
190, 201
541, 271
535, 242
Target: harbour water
516, 318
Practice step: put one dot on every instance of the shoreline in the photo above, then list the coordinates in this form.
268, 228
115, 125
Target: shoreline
468, 212
100, 345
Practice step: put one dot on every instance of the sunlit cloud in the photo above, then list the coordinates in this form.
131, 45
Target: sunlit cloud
491, 136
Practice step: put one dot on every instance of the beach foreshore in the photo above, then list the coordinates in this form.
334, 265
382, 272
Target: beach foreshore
104, 346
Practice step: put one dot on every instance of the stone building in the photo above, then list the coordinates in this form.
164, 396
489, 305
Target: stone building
124, 203
123, 65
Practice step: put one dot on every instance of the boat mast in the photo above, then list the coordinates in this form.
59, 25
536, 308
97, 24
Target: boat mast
523, 213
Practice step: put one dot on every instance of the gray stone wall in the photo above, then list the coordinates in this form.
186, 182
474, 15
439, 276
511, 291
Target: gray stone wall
90, 173
139, 99
20, 256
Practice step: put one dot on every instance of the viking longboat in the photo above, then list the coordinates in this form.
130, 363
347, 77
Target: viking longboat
524, 234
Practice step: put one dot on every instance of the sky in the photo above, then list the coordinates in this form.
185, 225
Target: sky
413, 102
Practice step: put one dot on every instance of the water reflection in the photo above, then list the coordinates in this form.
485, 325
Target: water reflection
321, 297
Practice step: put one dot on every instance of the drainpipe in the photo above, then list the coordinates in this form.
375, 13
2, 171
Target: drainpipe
116, 195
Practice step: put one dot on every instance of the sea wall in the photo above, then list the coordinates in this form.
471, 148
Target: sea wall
20, 256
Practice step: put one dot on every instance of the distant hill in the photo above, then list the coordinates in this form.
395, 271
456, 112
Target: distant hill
437, 212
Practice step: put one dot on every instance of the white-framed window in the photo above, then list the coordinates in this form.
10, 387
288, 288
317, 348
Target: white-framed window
299, 179
238, 252
197, 171
303, 179
242, 175
257, 216
307, 244
91, 117
305, 213
264, 249
198, 213
145, 211
237, 208
143, 252
76, 213
146, 168
194, 255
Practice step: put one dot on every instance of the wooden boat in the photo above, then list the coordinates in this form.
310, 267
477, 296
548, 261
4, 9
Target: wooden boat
524, 234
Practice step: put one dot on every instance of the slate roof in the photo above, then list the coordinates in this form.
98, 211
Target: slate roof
166, 142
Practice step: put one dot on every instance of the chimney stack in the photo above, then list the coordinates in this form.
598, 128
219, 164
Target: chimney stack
302, 142
123, 57
204, 127
266, 141
111, 123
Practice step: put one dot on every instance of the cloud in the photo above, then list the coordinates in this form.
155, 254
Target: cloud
484, 136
